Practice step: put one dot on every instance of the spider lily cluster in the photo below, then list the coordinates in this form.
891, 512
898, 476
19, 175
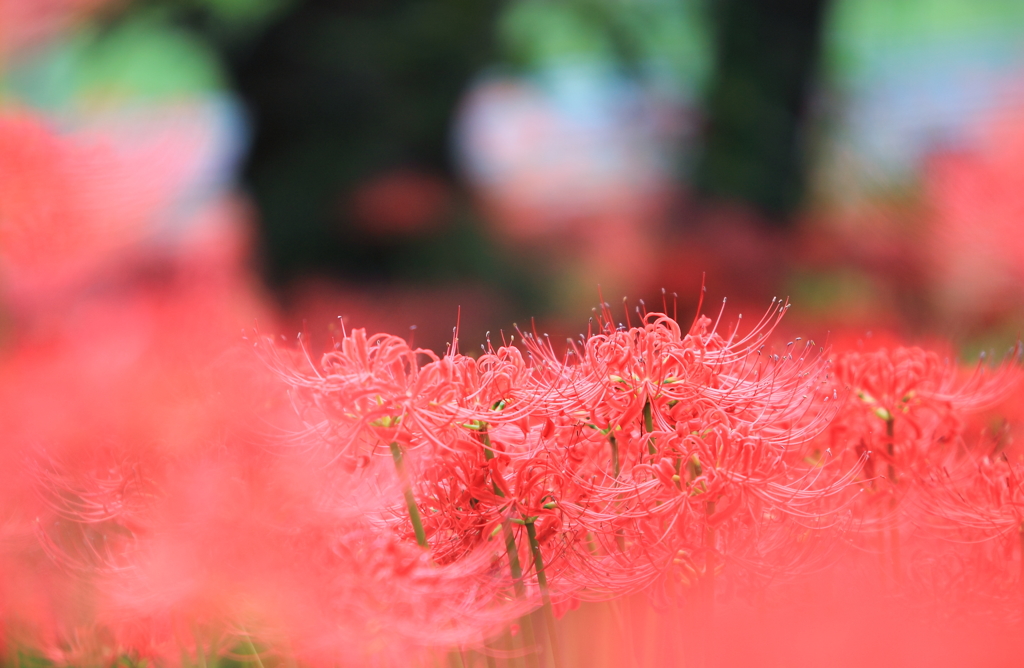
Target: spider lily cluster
385, 499
632, 462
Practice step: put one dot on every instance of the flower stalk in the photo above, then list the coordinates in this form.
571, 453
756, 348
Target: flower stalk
410, 499
545, 594
511, 548
894, 531
649, 427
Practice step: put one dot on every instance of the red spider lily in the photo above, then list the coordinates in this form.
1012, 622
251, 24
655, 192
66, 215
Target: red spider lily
100, 412
908, 406
51, 242
159, 508
698, 432
378, 389
400, 499
267, 556
909, 409
637, 449
982, 497
968, 538
101, 397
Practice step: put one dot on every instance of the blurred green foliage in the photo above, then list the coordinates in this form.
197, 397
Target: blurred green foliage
140, 56
666, 39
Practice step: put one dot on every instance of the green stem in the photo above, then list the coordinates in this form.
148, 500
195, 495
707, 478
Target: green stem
545, 595
619, 539
516, 568
538, 562
615, 455
215, 649
510, 539
486, 438
255, 654
200, 652
649, 426
410, 500
514, 565
890, 432
894, 532
513, 559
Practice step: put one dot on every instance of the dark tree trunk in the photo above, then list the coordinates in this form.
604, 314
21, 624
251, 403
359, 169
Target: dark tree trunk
767, 56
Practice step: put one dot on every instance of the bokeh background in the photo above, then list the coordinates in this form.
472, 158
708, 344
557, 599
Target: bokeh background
412, 164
